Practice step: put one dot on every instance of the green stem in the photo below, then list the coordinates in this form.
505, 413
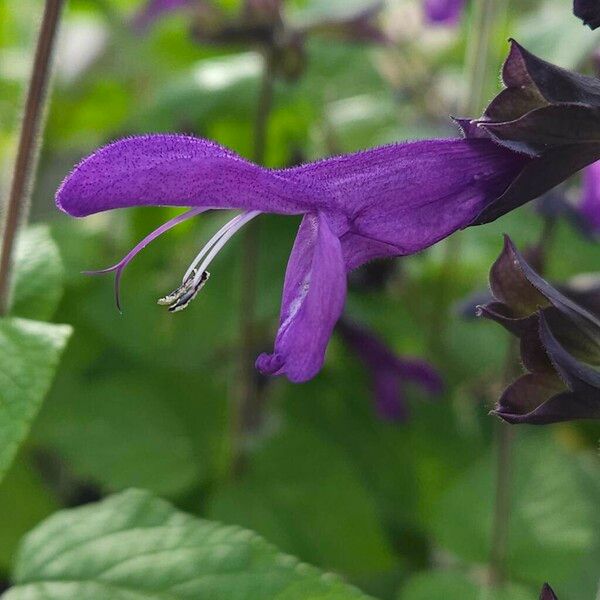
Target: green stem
477, 58
504, 434
501, 519
247, 400
30, 139
505, 440
476, 70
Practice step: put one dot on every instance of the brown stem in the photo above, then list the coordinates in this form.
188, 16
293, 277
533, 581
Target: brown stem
247, 400
17, 205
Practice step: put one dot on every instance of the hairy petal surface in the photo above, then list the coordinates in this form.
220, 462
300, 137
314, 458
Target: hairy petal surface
411, 195
532, 82
547, 112
313, 298
176, 170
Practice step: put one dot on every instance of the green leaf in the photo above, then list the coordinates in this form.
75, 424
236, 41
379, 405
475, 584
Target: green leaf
39, 274
451, 585
423, 455
293, 484
24, 502
29, 354
123, 431
135, 546
554, 522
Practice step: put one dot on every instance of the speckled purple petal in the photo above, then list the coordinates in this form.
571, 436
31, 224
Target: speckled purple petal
590, 202
176, 170
313, 299
391, 200
443, 12
405, 197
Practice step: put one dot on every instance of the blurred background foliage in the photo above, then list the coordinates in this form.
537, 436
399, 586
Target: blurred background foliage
142, 399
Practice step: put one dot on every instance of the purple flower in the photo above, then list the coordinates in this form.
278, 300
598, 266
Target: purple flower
444, 12
588, 11
547, 593
389, 373
590, 202
388, 201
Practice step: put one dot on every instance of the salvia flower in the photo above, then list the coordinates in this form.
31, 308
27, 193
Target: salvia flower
389, 373
547, 593
388, 201
443, 12
560, 345
548, 113
588, 11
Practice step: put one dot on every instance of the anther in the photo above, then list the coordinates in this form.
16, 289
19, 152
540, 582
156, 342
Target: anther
179, 299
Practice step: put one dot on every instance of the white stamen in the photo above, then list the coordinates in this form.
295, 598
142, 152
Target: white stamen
215, 238
230, 232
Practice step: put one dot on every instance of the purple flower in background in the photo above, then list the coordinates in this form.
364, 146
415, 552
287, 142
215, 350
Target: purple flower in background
583, 215
156, 9
388, 201
547, 593
353, 26
590, 201
389, 373
262, 21
588, 11
443, 12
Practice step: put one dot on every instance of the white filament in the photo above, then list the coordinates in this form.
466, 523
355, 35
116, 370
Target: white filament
216, 242
215, 238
